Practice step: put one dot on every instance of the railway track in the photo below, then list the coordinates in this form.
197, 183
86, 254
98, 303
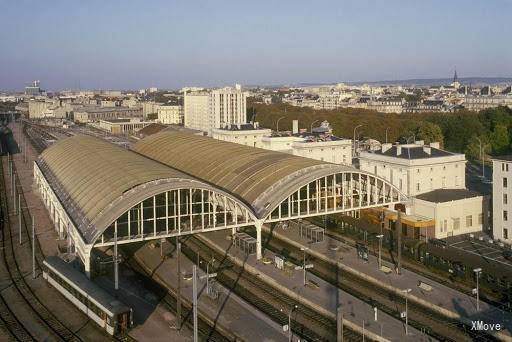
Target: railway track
306, 322
55, 327
420, 317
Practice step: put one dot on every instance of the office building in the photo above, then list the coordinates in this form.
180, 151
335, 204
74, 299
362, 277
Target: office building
170, 115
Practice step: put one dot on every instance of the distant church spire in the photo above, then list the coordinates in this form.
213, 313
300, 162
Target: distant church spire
455, 78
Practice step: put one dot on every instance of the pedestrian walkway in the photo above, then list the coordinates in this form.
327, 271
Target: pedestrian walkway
321, 294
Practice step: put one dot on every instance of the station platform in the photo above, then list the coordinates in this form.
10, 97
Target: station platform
322, 296
439, 295
229, 310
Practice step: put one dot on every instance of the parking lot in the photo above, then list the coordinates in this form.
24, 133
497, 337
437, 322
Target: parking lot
490, 251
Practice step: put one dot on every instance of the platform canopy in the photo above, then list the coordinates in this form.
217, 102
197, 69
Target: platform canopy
96, 182
261, 178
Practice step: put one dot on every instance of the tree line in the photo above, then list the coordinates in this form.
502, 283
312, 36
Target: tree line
462, 131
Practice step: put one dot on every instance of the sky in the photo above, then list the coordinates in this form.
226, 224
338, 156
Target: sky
133, 44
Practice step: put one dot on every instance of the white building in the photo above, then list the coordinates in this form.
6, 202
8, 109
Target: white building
416, 168
501, 193
170, 115
454, 211
195, 109
150, 107
244, 134
215, 109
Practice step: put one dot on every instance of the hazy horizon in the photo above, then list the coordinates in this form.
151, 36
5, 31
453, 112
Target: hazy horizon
133, 44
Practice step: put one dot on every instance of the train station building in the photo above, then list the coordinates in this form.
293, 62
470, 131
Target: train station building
174, 183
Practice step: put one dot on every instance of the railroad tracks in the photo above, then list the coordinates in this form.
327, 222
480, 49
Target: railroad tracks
18, 330
422, 318
306, 322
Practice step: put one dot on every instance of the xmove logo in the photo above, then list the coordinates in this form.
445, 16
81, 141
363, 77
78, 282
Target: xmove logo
480, 325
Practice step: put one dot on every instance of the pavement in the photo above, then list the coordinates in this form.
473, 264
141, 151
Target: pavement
230, 311
441, 295
354, 309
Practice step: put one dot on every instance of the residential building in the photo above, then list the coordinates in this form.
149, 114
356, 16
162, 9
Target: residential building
477, 103
226, 106
150, 107
416, 168
170, 115
195, 110
215, 109
502, 198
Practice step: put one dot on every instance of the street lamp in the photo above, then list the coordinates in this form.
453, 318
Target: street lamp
277, 124
406, 291
290, 333
481, 157
311, 126
477, 273
304, 266
380, 248
354, 141
208, 275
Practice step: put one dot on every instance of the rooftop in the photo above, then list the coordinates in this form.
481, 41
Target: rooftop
447, 195
413, 151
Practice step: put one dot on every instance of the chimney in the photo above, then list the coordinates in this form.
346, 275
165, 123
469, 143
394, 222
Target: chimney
398, 150
427, 149
295, 124
385, 147
420, 142
434, 145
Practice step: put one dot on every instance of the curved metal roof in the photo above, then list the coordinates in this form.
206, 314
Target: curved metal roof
92, 176
252, 174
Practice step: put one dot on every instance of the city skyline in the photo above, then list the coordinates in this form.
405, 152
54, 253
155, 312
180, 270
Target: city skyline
125, 45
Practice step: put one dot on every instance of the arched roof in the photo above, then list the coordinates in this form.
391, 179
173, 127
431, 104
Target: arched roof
258, 177
90, 175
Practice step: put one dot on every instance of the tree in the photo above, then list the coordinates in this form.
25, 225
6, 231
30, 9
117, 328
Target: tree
499, 139
429, 132
473, 148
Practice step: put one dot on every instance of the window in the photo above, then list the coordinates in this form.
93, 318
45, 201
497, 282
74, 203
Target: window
400, 184
469, 221
502, 166
506, 167
505, 233
431, 183
505, 182
418, 171
480, 218
417, 186
457, 181
445, 223
505, 215
456, 223
505, 199
431, 169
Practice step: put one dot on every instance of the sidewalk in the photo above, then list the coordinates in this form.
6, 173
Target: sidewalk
354, 309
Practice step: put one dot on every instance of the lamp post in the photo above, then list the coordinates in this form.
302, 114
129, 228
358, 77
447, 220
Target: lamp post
380, 249
290, 333
277, 124
387, 128
354, 141
481, 157
304, 266
194, 302
477, 273
406, 292
311, 126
